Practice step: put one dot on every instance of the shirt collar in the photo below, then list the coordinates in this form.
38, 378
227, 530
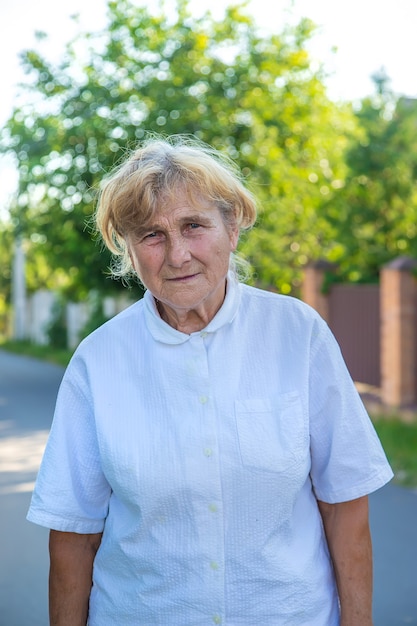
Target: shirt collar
163, 332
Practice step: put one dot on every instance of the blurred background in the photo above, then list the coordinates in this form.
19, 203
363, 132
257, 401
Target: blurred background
317, 103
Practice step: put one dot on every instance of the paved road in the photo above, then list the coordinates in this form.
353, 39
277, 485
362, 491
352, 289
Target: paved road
27, 395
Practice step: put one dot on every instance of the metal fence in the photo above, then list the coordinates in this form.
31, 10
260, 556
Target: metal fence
354, 317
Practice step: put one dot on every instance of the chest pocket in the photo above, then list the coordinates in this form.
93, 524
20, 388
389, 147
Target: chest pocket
271, 432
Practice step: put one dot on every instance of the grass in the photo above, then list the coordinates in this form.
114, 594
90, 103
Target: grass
399, 438
59, 356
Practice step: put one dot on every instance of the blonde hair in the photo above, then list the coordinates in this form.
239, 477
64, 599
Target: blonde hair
131, 195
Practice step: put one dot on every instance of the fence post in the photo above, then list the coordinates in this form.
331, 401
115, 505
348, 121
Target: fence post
41, 315
398, 333
312, 288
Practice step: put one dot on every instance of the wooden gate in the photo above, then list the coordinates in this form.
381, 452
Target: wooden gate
354, 318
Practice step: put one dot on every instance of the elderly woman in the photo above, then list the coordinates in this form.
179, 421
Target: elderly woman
209, 459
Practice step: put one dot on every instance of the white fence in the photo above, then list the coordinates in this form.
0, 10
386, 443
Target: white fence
40, 309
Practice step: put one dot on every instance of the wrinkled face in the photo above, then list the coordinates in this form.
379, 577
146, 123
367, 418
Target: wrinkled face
182, 257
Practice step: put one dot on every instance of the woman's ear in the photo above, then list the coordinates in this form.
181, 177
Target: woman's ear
233, 237
131, 255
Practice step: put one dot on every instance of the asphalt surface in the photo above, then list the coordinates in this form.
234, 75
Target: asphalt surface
27, 395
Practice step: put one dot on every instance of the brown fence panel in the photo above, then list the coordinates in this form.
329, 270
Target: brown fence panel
354, 317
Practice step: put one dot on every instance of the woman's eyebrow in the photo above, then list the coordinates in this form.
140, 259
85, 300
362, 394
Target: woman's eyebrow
199, 218
141, 231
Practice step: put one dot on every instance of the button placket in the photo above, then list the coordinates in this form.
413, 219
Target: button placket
208, 511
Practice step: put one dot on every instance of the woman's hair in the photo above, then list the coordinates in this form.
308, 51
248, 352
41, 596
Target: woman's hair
160, 168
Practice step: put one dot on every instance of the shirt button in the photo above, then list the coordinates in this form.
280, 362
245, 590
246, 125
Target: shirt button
208, 452
204, 334
203, 399
214, 565
213, 508
217, 619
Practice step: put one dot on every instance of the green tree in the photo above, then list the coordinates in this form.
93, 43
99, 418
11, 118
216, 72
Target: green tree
6, 245
257, 98
376, 212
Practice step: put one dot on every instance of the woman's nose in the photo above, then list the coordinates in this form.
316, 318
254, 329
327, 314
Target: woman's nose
178, 251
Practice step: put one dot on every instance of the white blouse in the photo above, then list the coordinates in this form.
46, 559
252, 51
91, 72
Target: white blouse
201, 456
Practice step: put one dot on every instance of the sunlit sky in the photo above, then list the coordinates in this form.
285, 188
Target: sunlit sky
367, 35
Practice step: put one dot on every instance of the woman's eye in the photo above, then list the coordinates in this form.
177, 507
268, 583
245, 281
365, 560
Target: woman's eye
150, 235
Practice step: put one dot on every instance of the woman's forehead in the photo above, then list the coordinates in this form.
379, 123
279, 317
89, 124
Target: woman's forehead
182, 199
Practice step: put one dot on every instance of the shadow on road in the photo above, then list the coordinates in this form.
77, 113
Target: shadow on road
28, 390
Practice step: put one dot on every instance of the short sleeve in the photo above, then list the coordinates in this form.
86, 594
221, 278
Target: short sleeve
347, 459
71, 492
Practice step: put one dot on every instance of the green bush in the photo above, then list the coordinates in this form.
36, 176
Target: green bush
57, 328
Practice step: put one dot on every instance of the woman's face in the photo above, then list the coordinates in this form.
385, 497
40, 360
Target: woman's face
182, 257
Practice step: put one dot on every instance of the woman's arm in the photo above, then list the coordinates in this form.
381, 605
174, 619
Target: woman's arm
70, 576
346, 525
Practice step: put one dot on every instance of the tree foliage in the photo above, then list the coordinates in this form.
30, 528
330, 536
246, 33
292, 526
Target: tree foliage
6, 244
375, 215
258, 98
